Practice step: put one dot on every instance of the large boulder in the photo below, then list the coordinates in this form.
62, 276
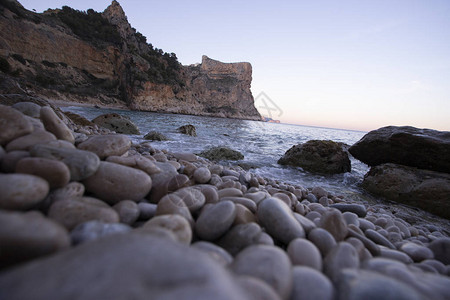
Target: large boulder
117, 123
425, 189
325, 157
406, 145
221, 153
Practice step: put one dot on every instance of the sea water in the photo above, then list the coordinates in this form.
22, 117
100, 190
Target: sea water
262, 144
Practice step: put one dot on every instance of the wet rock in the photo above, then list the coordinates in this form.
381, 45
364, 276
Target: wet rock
106, 145
117, 123
304, 253
21, 191
56, 173
55, 125
318, 156
187, 129
28, 108
25, 236
155, 136
113, 183
13, 123
26, 142
311, 284
215, 220
93, 230
128, 211
221, 153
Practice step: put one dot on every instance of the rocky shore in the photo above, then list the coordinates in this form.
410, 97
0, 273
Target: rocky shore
87, 214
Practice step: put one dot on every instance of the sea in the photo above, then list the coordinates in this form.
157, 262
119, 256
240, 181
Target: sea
261, 143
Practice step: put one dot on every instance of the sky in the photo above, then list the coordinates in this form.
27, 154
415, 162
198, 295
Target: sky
352, 64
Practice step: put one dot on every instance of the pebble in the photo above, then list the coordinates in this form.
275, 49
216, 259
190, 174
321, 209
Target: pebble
243, 215
441, 250
147, 210
173, 204
265, 239
106, 145
257, 196
128, 211
256, 289
416, 252
136, 161
378, 238
55, 125
214, 220
193, 198
365, 224
240, 237
61, 144
312, 215
13, 124
74, 211
305, 253
319, 192
323, 240
21, 191
25, 236
311, 198
93, 230
249, 204
342, 256
26, 142
82, 164
174, 223
28, 108
185, 156
230, 192
358, 209
10, 159
177, 182
283, 197
333, 222
259, 261
306, 223
373, 248
56, 173
278, 220
202, 175
311, 284
209, 191
113, 183
215, 252
351, 218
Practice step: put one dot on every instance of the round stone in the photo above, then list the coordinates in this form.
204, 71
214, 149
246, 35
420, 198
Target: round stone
106, 145
217, 253
304, 253
146, 210
93, 230
256, 289
215, 220
378, 238
193, 198
26, 142
10, 159
13, 124
358, 209
56, 173
21, 191
174, 223
243, 201
128, 211
243, 215
416, 252
333, 222
55, 125
173, 204
441, 250
342, 256
177, 182
25, 236
202, 175
28, 108
209, 191
230, 192
74, 211
306, 223
278, 220
113, 183
311, 284
240, 237
268, 263
136, 161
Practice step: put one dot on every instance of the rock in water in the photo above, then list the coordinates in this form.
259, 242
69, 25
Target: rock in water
155, 136
188, 129
137, 265
117, 123
326, 157
221, 153
422, 148
425, 189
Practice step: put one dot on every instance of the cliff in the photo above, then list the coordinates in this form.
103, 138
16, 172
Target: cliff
98, 58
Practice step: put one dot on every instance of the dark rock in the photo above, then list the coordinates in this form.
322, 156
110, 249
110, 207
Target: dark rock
155, 136
117, 123
188, 129
406, 145
441, 250
326, 157
424, 189
221, 153
77, 119
358, 209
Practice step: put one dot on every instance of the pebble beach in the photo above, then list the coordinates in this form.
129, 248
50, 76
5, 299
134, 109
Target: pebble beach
86, 213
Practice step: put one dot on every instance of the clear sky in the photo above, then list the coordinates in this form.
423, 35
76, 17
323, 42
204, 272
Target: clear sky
356, 64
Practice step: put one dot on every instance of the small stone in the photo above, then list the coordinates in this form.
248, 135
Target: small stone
256, 289
202, 175
230, 192
333, 222
240, 237
215, 252
342, 256
209, 191
323, 240
243, 215
61, 144
268, 263
365, 224
28, 108
303, 252
193, 198
147, 210
93, 230
174, 223
74, 211
416, 252
278, 220
396, 255
378, 238
21, 191
319, 192
173, 204
136, 161
357, 209
243, 201
306, 223
257, 196
190, 157
82, 164
351, 218
55, 125
56, 173
10, 159
215, 220
128, 211
441, 250
26, 142
13, 124
106, 145
25, 236
311, 284
113, 183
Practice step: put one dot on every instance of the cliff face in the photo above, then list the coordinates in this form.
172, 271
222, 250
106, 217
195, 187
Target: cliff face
99, 58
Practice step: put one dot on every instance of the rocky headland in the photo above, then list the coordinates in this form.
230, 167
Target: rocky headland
99, 59
87, 214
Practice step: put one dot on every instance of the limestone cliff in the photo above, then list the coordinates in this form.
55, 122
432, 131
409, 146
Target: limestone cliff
64, 54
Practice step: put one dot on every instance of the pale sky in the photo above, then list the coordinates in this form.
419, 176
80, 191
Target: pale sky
356, 64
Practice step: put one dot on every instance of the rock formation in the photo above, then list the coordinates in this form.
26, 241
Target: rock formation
88, 57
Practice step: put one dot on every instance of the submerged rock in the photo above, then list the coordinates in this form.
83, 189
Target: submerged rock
221, 153
117, 123
326, 157
188, 129
155, 136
